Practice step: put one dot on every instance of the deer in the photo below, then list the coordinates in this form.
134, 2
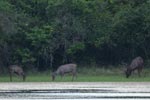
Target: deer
63, 69
136, 64
15, 69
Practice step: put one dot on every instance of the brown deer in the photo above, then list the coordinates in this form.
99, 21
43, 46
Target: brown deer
63, 69
136, 64
15, 69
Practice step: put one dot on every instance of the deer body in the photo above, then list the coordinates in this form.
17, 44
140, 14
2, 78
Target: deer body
136, 64
63, 69
15, 69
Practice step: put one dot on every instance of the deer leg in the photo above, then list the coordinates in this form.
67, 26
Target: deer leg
10, 77
19, 75
74, 75
23, 76
62, 75
139, 72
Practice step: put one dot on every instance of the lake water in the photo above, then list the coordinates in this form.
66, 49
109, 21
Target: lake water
75, 91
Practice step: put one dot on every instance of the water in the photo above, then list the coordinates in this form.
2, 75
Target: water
75, 91
69, 94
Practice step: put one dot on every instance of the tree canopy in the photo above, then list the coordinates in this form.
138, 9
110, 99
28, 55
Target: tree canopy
43, 34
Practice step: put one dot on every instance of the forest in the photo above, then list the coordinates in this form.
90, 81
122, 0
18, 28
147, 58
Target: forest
43, 34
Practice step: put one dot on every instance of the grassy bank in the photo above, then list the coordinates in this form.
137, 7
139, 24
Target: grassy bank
83, 76
80, 78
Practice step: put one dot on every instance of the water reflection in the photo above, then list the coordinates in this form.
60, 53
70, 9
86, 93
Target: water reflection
76, 94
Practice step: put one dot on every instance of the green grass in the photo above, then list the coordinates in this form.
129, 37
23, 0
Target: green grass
80, 78
84, 75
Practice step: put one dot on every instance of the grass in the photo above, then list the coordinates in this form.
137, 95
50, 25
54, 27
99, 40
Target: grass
80, 78
84, 75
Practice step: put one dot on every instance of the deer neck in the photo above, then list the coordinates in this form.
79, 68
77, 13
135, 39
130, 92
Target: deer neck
57, 72
132, 69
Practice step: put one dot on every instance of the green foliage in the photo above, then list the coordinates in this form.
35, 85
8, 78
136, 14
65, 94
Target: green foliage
48, 33
25, 56
39, 36
5, 6
76, 47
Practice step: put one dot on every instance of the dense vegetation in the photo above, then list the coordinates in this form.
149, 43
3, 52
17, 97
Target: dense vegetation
42, 34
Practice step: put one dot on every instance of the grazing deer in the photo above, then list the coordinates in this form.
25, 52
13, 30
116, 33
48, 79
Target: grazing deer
136, 64
63, 69
15, 69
